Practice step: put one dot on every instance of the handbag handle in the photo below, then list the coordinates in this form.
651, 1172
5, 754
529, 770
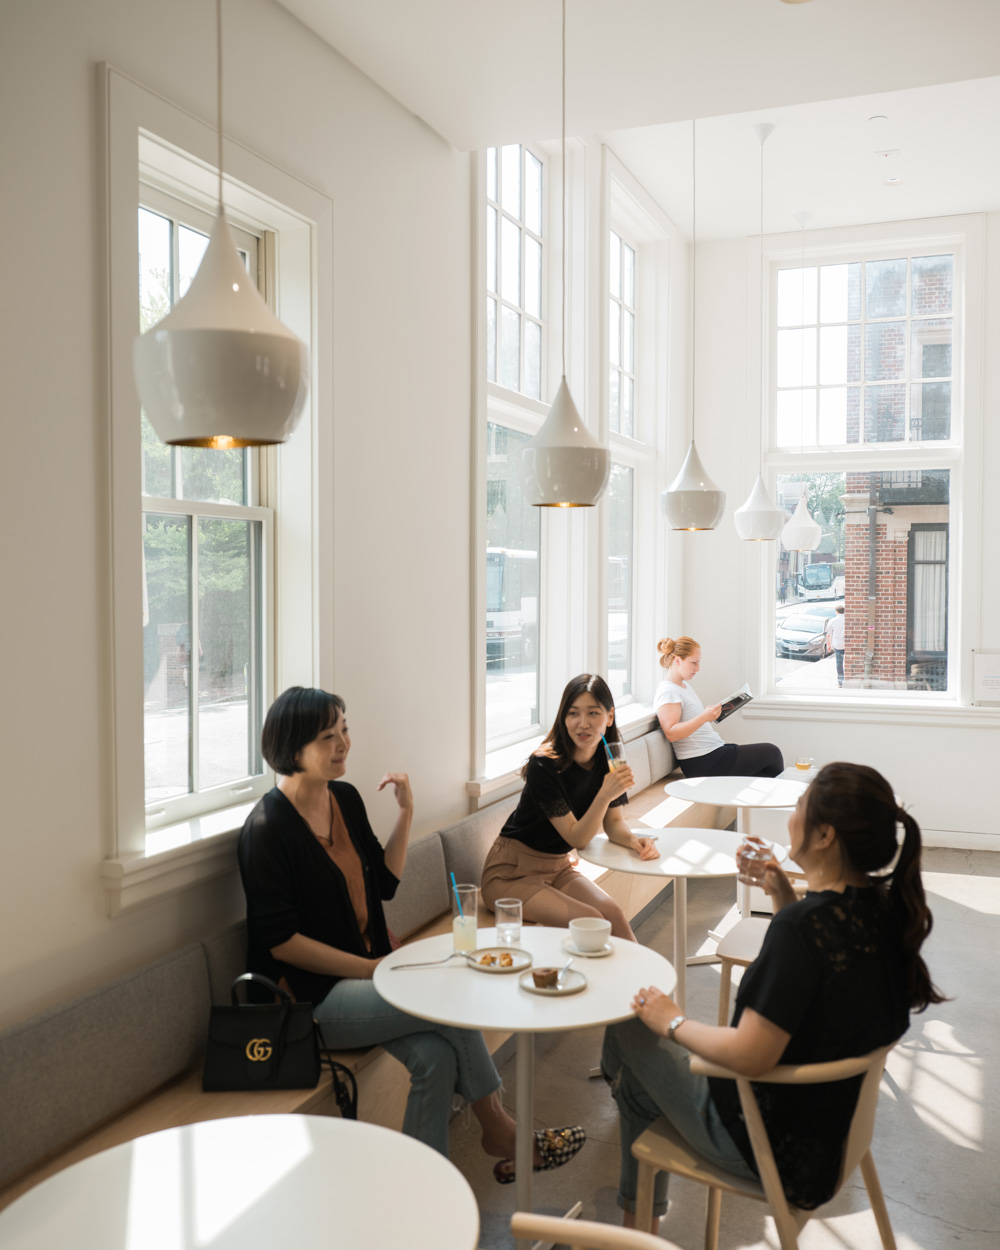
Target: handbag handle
260, 980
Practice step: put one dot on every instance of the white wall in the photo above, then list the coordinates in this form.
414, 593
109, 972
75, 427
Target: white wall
944, 768
401, 348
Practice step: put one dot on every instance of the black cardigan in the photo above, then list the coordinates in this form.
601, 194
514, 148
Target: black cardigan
293, 886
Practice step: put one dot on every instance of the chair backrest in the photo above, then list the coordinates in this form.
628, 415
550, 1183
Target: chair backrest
862, 1123
859, 1139
583, 1234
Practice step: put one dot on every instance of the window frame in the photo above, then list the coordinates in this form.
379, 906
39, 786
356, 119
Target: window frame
145, 138
204, 800
964, 237
542, 240
634, 216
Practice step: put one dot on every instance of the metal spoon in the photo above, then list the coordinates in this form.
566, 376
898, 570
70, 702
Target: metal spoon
565, 968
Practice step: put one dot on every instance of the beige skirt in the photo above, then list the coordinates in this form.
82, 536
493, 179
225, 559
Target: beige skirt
513, 870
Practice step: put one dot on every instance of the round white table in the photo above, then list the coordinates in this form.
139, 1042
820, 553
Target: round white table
743, 793
683, 853
457, 994
251, 1183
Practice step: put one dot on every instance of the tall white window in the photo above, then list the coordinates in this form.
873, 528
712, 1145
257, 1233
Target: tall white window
514, 215
513, 578
205, 552
203, 617
621, 337
621, 563
866, 428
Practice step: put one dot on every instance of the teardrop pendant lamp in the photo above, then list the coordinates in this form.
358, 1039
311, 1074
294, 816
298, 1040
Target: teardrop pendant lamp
802, 533
692, 501
564, 465
760, 520
220, 370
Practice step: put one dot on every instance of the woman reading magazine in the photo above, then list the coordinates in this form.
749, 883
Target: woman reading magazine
689, 725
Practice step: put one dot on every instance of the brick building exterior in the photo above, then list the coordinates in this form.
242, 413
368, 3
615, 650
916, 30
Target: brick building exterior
886, 640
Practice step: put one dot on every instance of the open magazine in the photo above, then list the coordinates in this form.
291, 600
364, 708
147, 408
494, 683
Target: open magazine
735, 701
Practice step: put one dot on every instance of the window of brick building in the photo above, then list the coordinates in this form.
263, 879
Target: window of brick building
863, 425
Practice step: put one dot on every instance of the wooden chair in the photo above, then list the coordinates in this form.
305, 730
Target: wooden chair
740, 946
583, 1234
661, 1149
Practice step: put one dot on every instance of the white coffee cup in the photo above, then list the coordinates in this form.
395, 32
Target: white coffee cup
590, 933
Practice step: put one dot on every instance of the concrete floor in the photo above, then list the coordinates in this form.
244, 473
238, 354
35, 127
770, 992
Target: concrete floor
937, 1136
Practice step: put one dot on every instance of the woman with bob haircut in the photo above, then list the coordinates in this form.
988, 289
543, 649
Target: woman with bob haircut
315, 877
569, 795
837, 976
688, 724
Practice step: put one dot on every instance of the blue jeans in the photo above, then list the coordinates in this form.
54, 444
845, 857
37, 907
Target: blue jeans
440, 1059
650, 1077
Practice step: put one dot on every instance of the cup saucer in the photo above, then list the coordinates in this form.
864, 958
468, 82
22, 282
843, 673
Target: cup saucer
571, 948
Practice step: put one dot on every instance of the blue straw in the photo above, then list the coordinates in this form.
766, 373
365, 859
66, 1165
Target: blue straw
611, 758
457, 899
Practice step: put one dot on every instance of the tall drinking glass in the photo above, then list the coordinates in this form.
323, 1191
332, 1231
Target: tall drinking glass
508, 918
464, 905
616, 756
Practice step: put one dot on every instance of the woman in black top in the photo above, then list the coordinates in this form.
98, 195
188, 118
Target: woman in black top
569, 795
315, 877
837, 976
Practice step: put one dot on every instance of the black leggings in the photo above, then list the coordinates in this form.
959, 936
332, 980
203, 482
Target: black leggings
756, 759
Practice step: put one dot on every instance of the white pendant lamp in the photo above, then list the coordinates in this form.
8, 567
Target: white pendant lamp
692, 501
760, 520
564, 465
220, 370
802, 533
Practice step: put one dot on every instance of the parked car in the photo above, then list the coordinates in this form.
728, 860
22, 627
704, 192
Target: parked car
802, 636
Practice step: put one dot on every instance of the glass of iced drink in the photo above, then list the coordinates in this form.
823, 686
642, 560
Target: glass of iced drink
464, 905
751, 860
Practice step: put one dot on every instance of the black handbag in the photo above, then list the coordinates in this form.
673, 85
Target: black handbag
271, 1046
262, 1045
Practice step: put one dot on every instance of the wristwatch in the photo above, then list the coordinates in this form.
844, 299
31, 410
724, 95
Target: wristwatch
674, 1025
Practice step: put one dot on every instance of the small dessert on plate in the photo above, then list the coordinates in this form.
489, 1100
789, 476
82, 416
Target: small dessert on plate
545, 978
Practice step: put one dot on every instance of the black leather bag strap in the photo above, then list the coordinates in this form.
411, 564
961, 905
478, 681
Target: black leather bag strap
257, 979
345, 1087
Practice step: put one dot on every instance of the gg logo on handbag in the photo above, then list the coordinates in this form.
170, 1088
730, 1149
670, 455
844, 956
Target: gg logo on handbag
258, 1049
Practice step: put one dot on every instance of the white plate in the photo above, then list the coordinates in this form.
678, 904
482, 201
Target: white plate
572, 983
571, 948
522, 959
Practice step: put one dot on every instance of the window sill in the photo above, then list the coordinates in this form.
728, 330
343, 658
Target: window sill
502, 774
873, 710
176, 857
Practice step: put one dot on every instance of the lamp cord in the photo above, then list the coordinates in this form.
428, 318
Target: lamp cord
218, 77
563, 220
694, 267
760, 438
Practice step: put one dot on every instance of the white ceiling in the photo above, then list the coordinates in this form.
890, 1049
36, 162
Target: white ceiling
638, 70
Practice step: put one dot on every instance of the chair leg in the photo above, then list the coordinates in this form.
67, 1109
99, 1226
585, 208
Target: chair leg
712, 1219
876, 1198
786, 1227
725, 981
644, 1196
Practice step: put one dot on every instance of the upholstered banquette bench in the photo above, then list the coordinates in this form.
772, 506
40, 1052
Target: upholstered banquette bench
125, 1059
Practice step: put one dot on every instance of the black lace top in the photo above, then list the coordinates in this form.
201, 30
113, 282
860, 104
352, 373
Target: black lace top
549, 793
830, 973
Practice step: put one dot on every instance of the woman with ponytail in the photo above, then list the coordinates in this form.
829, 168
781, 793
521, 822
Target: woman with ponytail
838, 974
689, 727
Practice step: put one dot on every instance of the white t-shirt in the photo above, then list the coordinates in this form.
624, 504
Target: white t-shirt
835, 631
705, 738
